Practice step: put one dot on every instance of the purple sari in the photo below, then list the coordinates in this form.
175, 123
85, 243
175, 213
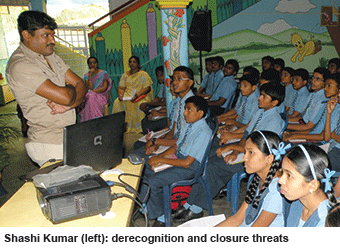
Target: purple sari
94, 102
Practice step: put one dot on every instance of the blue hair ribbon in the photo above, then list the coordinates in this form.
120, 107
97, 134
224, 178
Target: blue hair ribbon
281, 150
327, 179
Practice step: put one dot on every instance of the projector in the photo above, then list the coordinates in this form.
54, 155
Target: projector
85, 197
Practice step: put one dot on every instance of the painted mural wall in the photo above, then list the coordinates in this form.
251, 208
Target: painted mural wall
245, 30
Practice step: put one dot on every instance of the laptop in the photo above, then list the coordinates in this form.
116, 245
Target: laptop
97, 143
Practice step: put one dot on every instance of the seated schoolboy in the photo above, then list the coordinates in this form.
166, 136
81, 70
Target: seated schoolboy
334, 65
267, 62
254, 74
185, 157
217, 67
286, 80
225, 90
206, 87
279, 64
220, 169
246, 104
316, 104
300, 78
182, 81
331, 91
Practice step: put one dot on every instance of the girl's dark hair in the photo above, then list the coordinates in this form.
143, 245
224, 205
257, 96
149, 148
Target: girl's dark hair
273, 140
333, 217
33, 20
320, 162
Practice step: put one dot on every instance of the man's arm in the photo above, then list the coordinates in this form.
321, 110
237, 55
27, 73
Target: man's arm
70, 95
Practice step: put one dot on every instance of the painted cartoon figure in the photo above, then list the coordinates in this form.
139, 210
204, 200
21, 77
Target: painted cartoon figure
309, 48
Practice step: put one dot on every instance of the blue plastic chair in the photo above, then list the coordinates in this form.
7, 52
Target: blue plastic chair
233, 190
201, 177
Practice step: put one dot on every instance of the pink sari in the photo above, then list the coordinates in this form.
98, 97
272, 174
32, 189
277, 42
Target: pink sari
94, 102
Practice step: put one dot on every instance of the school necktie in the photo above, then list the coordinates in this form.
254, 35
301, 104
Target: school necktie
317, 123
243, 109
180, 146
179, 120
308, 105
257, 122
294, 101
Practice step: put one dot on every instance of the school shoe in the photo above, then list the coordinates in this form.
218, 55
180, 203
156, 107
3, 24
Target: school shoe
178, 212
157, 223
187, 215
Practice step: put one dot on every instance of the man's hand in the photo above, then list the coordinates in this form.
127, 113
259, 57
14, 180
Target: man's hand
57, 108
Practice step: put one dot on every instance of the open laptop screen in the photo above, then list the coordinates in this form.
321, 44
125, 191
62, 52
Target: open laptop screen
97, 143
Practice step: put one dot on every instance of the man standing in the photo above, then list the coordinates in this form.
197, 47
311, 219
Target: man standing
44, 86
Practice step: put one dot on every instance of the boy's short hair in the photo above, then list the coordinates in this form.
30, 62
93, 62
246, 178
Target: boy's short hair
280, 62
249, 78
290, 70
254, 72
187, 70
159, 69
275, 90
219, 60
336, 61
211, 59
336, 78
199, 102
303, 73
234, 63
270, 74
33, 20
268, 58
323, 71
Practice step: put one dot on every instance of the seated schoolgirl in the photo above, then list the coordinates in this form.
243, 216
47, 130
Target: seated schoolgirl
333, 217
263, 203
306, 182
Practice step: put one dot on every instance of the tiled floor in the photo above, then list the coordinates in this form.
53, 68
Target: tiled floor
21, 164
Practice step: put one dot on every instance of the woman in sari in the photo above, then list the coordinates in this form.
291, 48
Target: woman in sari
135, 87
99, 85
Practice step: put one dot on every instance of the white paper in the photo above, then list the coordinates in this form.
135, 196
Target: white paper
238, 159
235, 140
162, 167
128, 98
156, 134
209, 221
161, 149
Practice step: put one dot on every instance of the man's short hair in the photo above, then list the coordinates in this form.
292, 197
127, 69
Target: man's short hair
219, 60
187, 70
199, 102
33, 20
270, 74
235, 65
275, 90
303, 73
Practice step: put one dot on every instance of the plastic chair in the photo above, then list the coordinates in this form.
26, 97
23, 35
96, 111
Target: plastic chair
201, 177
233, 190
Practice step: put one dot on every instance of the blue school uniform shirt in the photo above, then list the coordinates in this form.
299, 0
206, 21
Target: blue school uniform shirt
272, 202
301, 100
179, 116
162, 91
173, 110
218, 76
315, 109
269, 120
317, 219
246, 107
208, 83
194, 139
226, 89
335, 119
289, 95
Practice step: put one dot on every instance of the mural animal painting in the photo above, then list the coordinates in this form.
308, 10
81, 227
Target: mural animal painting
304, 49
